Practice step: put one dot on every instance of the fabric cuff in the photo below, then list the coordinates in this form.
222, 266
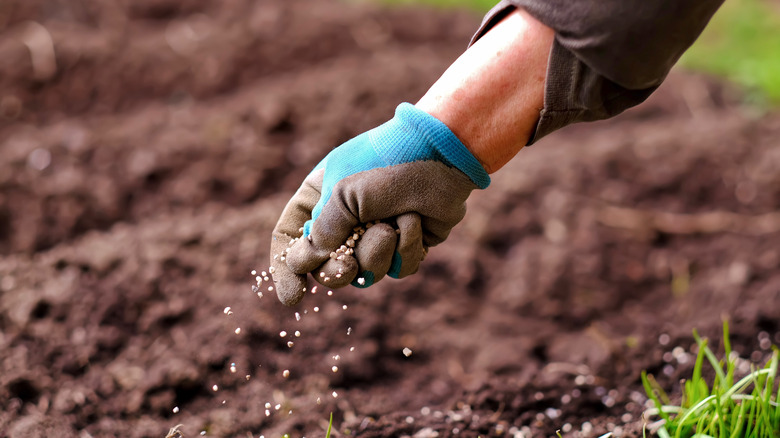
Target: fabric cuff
426, 138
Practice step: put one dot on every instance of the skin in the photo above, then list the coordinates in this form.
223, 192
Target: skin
491, 96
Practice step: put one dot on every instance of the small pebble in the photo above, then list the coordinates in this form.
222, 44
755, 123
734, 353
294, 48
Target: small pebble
282, 334
290, 344
232, 367
407, 351
175, 409
361, 281
215, 388
297, 316
334, 368
286, 373
238, 330
335, 394
254, 272
297, 334
227, 311
316, 309
344, 307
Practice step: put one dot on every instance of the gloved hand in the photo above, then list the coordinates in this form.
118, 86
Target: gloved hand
406, 181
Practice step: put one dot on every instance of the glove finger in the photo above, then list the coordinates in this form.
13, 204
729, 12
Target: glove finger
337, 271
291, 286
374, 253
409, 252
329, 231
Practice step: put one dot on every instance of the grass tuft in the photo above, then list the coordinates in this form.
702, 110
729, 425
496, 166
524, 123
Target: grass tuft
747, 408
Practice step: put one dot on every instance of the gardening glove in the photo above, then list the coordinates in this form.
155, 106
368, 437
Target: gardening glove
406, 182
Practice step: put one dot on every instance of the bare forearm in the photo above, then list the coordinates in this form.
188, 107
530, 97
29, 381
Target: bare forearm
490, 97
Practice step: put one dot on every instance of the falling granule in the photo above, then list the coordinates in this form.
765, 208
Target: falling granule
271, 270
361, 281
282, 334
290, 344
277, 407
268, 405
238, 331
330, 293
407, 351
247, 376
255, 288
344, 307
175, 409
335, 394
264, 274
297, 333
336, 357
270, 288
259, 295
322, 275
227, 311
202, 433
349, 331
259, 279
286, 373
267, 413
314, 290
335, 369
319, 401
297, 316
351, 348
253, 272
232, 367
316, 309
215, 388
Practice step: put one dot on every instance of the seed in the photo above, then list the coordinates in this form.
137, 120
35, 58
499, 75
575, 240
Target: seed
326, 279
266, 278
253, 272
335, 368
227, 310
277, 407
297, 316
314, 290
330, 293
286, 373
349, 331
407, 351
335, 394
238, 330
272, 269
361, 281
355, 236
338, 275
322, 274
316, 309
215, 388
336, 357
258, 279
351, 348
319, 400
270, 288
297, 334
175, 409
344, 307
268, 405
282, 333
259, 294
267, 413
290, 344
247, 376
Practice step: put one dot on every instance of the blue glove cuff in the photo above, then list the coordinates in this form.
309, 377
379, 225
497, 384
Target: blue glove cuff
424, 137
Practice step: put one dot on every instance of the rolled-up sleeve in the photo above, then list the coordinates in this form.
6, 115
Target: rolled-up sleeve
607, 55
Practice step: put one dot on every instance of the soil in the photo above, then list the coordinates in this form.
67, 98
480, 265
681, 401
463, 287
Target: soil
140, 180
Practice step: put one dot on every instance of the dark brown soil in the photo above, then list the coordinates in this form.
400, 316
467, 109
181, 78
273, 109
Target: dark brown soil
139, 183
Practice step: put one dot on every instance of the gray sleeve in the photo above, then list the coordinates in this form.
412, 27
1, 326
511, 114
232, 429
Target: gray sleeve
607, 55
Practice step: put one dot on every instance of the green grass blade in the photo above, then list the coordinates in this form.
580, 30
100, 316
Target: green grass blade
650, 391
330, 426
